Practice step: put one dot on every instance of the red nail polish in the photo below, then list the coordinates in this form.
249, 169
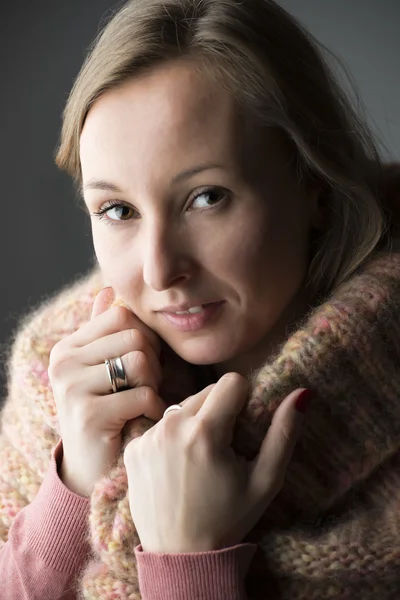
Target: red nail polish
303, 401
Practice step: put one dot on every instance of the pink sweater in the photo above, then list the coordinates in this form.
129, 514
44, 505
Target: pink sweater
47, 549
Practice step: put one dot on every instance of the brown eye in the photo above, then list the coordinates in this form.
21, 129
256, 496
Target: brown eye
119, 212
115, 211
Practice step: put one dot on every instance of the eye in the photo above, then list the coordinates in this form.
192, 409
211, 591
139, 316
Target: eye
208, 198
115, 211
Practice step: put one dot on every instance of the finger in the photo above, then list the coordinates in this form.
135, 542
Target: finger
119, 344
129, 404
223, 404
117, 318
270, 466
138, 373
193, 403
103, 301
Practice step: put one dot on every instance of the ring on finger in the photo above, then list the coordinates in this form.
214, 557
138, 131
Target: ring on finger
171, 408
116, 374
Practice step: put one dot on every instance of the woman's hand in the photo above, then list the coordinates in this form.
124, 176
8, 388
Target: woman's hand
90, 416
188, 490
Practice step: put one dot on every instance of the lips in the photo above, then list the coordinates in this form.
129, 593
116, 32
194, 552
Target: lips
183, 307
190, 322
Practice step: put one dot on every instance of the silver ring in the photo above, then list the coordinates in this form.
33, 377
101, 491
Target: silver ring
116, 374
172, 407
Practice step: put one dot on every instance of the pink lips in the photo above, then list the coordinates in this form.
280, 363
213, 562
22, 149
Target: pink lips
194, 321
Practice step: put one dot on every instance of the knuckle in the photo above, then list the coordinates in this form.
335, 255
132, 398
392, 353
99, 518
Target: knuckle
137, 360
197, 437
132, 455
286, 434
191, 440
234, 378
128, 455
147, 395
122, 317
133, 337
57, 353
58, 365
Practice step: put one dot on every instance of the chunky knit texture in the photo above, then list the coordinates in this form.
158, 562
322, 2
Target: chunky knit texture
334, 530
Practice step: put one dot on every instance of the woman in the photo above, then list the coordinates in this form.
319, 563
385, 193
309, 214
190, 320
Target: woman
244, 262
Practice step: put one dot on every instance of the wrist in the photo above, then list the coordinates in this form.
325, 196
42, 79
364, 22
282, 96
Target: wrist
179, 548
72, 483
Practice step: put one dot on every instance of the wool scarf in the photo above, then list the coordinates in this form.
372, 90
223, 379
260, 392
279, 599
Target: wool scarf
333, 531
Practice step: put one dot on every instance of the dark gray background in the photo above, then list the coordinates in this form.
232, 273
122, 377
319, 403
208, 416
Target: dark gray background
45, 238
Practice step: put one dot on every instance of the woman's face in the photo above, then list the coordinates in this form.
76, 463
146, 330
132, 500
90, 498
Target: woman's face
206, 213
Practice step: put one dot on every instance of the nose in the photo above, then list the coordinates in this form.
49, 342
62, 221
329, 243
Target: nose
166, 258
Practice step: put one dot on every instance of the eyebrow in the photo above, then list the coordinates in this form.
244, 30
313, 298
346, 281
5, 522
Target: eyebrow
99, 184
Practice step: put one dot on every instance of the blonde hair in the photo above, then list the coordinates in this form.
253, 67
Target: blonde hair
275, 70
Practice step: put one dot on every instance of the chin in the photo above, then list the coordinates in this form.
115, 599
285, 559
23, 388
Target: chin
203, 352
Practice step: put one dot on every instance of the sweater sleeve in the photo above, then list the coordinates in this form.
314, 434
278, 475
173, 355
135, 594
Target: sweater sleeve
47, 542
42, 523
216, 575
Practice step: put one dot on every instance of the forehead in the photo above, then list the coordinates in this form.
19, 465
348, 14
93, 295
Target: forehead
168, 105
170, 119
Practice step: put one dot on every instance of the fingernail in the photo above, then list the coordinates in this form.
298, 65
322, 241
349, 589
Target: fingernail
303, 401
109, 290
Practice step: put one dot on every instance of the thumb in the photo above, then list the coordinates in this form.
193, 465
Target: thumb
103, 301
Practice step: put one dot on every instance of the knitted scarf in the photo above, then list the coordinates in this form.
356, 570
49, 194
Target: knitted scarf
334, 529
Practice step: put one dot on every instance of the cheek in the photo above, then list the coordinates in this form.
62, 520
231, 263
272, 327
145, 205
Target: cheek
116, 260
267, 251
106, 251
